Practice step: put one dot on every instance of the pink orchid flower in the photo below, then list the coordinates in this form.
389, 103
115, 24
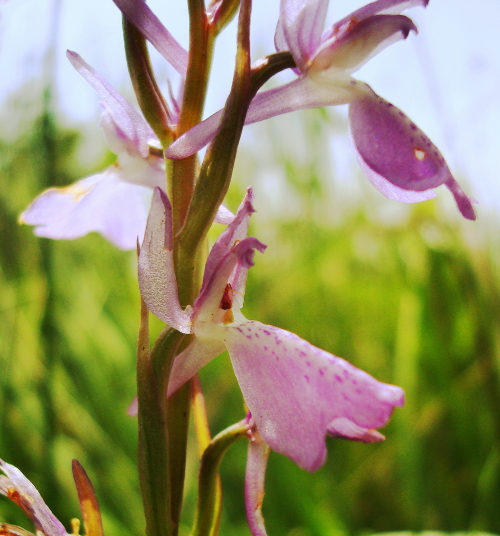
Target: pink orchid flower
396, 156
20, 490
296, 392
116, 202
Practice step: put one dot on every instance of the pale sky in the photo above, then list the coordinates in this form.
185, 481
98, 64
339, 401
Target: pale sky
447, 79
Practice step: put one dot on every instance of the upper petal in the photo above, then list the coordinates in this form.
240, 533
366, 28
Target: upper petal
295, 390
299, 28
207, 305
101, 203
380, 7
235, 232
131, 123
157, 280
140, 15
20, 490
363, 40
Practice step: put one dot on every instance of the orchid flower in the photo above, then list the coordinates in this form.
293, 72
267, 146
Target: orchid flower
20, 490
295, 391
116, 202
396, 156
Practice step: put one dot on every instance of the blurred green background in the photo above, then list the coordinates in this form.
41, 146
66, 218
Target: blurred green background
410, 294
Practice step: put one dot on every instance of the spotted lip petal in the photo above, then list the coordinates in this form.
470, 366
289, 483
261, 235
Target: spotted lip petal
20, 490
295, 390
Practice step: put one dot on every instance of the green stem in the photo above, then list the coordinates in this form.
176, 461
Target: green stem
209, 494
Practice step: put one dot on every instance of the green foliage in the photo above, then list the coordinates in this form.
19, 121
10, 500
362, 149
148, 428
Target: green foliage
410, 303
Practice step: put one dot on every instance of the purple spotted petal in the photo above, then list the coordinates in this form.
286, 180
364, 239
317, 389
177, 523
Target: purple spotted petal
392, 147
157, 280
28, 498
302, 93
258, 453
135, 131
102, 203
192, 359
365, 39
295, 390
140, 15
343, 428
299, 28
235, 232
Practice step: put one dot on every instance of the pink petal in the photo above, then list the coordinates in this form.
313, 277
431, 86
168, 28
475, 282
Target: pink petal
157, 280
131, 123
389, 190
299, 94
343, 428
380, 7
295, 390
224, 215
394, 147
207, 304
140, 15
351, 50
30, 500
395, 150
258, 453
234, 233
299, 28
101, 203
191, 360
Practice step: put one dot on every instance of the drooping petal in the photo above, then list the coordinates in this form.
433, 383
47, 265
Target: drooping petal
395, 149
295, 390
299, 28
157, 280
140, 15
389, 190
130, 121
343, 428
258, 454
235, 232
300, 94
102, 203
351, 50
191, 360
20, 490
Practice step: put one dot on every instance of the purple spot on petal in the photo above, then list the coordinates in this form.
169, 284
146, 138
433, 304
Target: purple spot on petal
240, 330
321, 372
338, 378
344, 396
248, 337
358, 391
306, 377
308, 363
266, 332
265, 348
303, 354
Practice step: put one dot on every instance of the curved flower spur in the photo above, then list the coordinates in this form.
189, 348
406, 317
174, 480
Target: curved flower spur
296, 392
396, 156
